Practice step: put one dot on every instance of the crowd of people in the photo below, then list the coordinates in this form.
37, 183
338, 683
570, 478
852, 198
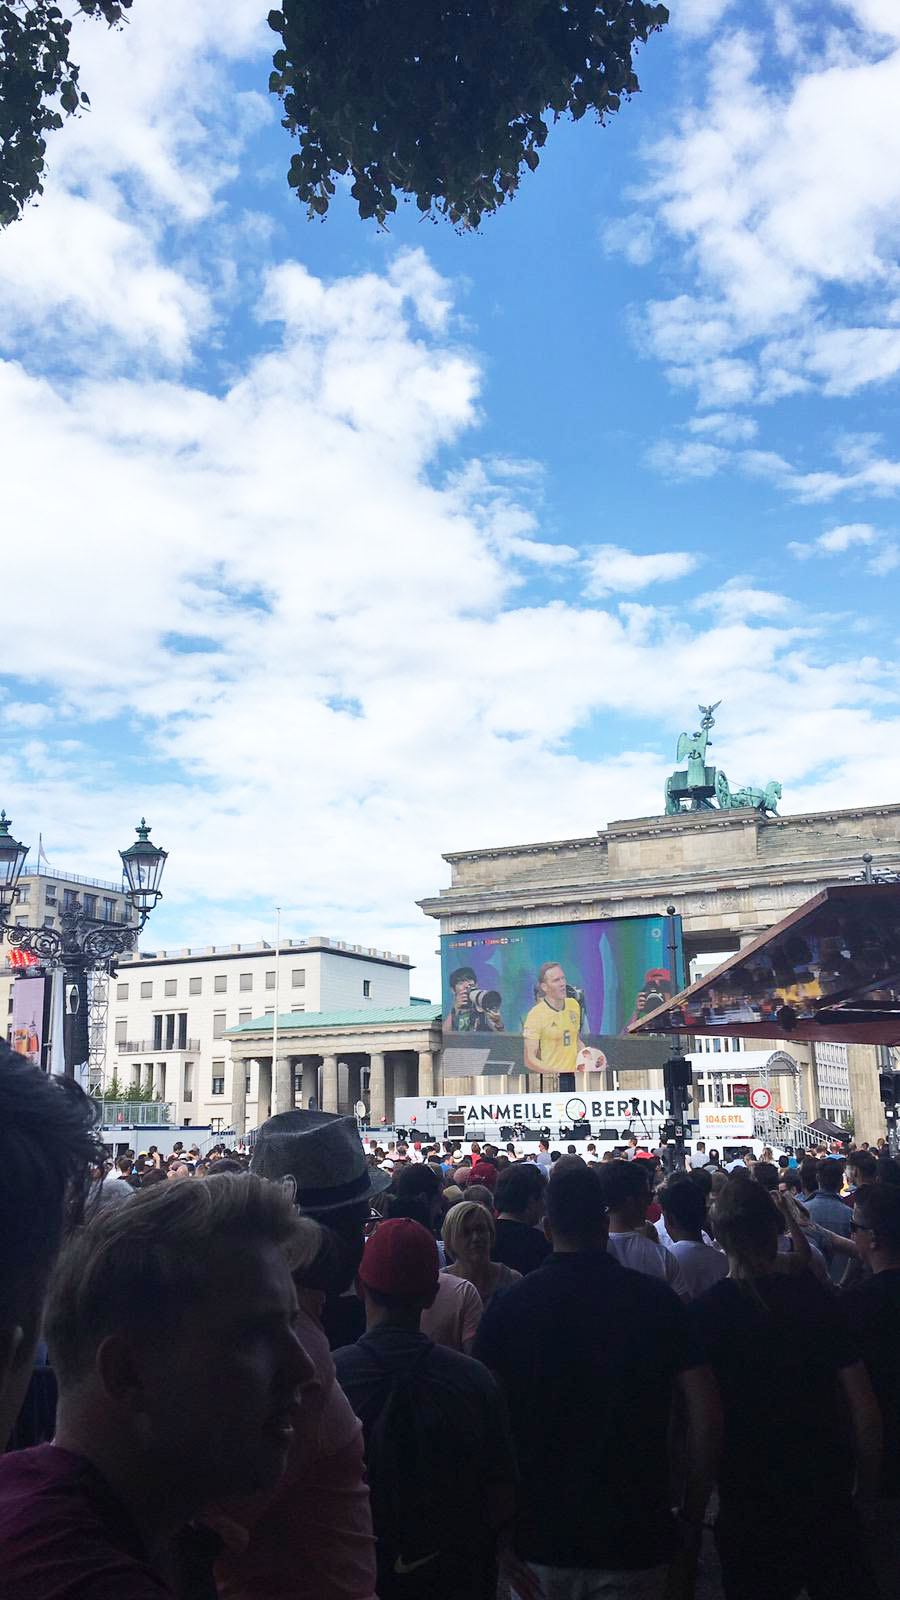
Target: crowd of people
325, 1372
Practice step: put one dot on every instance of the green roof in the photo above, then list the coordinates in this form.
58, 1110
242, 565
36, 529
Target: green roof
419, 1011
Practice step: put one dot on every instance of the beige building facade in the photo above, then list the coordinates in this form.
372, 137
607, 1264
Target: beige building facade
333, 1060
729, 874
173, 1015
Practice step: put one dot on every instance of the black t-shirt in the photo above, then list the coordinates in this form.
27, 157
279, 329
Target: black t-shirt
873, 1312
776, 1345
587, 1352
519, 1246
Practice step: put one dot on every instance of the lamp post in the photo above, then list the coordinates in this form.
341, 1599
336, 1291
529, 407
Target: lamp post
81, 944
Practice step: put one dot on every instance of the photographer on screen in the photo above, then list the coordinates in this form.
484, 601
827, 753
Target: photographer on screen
473, 1010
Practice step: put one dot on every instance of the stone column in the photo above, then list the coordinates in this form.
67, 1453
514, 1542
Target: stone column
354, 1073
329, 1083
399, 1076
426, 1073
377, 1096
239, 1096
309, 1081
868, 1112
264, 1090
284, 1083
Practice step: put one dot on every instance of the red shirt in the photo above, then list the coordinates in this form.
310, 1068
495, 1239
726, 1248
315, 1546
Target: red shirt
64, 1534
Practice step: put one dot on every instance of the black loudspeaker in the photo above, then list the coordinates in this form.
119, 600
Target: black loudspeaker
456, 1125
676, 1075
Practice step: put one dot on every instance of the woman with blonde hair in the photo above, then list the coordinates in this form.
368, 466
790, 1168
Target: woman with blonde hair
468, 1234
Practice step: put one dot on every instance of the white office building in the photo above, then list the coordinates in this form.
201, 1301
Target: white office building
170, 1010
833, 1081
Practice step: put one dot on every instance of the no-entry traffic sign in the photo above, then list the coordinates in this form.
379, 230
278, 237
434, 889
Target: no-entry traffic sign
760, 1099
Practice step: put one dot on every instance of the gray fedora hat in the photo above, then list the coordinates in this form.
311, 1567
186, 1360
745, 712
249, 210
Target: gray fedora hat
323, 1154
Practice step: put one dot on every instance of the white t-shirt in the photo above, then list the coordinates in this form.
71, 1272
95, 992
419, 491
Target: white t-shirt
699, 1159
662, 1234
701, 1265
636, 1251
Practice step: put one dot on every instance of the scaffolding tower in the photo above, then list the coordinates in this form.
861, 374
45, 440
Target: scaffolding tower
98, 1021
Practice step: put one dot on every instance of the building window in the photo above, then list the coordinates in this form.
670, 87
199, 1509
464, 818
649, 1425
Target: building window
244, 1016
247, 1084
182, 1030
218, 1086
298, 978
245, 982
147, 989
218, 1024
270, 980
70, 899
717, 1045
220, 982
195, 986
121, 991
90, 905
23, 893
48, 922
50, 894
295, 1009
121, 1030
171, 987
367, 988
108, 909
270, 1011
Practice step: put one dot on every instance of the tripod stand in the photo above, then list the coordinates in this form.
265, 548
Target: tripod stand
637, 1117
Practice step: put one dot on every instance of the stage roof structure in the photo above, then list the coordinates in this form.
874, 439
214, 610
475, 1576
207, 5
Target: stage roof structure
829, 970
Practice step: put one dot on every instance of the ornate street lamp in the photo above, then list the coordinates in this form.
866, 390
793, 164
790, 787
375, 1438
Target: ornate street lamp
143, 864
12, 860
81, 944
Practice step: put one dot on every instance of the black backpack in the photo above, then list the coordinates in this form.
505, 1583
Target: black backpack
418, 1552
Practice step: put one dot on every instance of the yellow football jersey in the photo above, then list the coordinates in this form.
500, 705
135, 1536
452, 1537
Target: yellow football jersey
555, 1034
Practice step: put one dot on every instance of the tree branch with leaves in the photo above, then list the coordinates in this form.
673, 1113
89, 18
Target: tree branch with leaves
443, 101
39, 87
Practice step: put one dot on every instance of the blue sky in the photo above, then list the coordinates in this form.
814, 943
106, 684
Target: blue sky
339, 548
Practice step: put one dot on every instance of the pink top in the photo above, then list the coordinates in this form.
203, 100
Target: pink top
454, 1317
311, 1539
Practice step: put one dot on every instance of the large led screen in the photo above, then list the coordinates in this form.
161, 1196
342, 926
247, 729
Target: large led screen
557, 998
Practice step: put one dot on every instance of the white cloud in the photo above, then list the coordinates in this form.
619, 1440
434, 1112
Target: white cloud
738, 600
686, 459
698, 17
776, 201
102, 256
886, 560
725, 426
613, 570
884, 551
834, 541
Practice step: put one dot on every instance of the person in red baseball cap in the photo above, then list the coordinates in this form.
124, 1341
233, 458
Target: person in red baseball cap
484, 1172
436, 1529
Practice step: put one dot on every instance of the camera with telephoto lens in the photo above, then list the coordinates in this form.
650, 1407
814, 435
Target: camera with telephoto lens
484, 999
652, 999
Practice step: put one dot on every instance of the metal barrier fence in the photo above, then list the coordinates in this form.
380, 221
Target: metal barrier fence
136, 1113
